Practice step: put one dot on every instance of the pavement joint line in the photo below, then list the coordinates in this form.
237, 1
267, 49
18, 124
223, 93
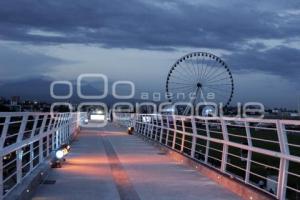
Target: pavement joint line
124, 186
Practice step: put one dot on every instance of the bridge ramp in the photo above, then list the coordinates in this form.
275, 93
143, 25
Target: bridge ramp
106, 163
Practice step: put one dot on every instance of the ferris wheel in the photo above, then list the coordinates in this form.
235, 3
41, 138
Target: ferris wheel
200, 77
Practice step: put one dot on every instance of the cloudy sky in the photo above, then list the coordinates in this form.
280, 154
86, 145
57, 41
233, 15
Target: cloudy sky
139, 40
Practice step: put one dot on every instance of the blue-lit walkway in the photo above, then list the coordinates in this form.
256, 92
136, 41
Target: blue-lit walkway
109, 164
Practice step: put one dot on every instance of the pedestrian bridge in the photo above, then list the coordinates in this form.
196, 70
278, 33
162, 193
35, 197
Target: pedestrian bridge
168, 157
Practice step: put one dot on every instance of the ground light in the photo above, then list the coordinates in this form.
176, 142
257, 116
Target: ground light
59, 156
130, 130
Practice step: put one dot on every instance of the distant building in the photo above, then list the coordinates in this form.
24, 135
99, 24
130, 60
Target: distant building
275, 111
15, 100
295, 114
281, 113
15, 108
28, 108
2, 100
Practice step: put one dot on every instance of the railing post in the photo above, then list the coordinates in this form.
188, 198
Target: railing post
70, 125
157, 127
53, 140
50, 123
67, 133
63, 134
56, 139
59, 120
249, 153
284, 165
43, 124
47, 145
194, 139
145, 126
133, 121
136, 124
1, 177
3, 137
41, 156
225, 145
78, 119
36, 119
19, 155
151, 127
183, 134
31, 157
22, 128
4, 131
161, 129
140, 125
168, 127
174, 132
19, 152
207, 141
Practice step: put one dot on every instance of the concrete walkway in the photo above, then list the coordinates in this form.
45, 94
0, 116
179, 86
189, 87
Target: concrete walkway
109, 164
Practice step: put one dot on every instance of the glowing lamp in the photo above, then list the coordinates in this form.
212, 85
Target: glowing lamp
130, 130
59, 154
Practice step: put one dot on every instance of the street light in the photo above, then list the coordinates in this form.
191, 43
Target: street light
99, 112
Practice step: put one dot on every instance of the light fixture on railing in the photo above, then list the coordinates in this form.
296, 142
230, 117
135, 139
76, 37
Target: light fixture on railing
60, 153
130, 130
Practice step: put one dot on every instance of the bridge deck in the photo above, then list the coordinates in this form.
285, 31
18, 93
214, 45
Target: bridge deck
109, 164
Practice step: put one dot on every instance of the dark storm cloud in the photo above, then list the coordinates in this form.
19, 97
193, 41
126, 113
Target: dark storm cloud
16, 64
137, 24
281, 60
163, 25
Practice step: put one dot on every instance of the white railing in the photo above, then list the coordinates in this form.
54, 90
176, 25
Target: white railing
262, 153
27, 140
124, 119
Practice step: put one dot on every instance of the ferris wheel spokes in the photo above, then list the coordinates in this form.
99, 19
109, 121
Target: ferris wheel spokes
203, 74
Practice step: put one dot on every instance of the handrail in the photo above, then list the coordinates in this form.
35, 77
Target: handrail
27, 139
269, 142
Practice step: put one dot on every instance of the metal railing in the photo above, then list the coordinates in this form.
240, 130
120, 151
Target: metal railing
27, 140
262, 153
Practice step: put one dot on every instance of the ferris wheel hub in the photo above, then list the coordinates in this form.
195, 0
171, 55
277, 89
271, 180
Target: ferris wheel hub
199, 85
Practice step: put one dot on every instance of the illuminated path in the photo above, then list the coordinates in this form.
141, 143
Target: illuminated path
109, 164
